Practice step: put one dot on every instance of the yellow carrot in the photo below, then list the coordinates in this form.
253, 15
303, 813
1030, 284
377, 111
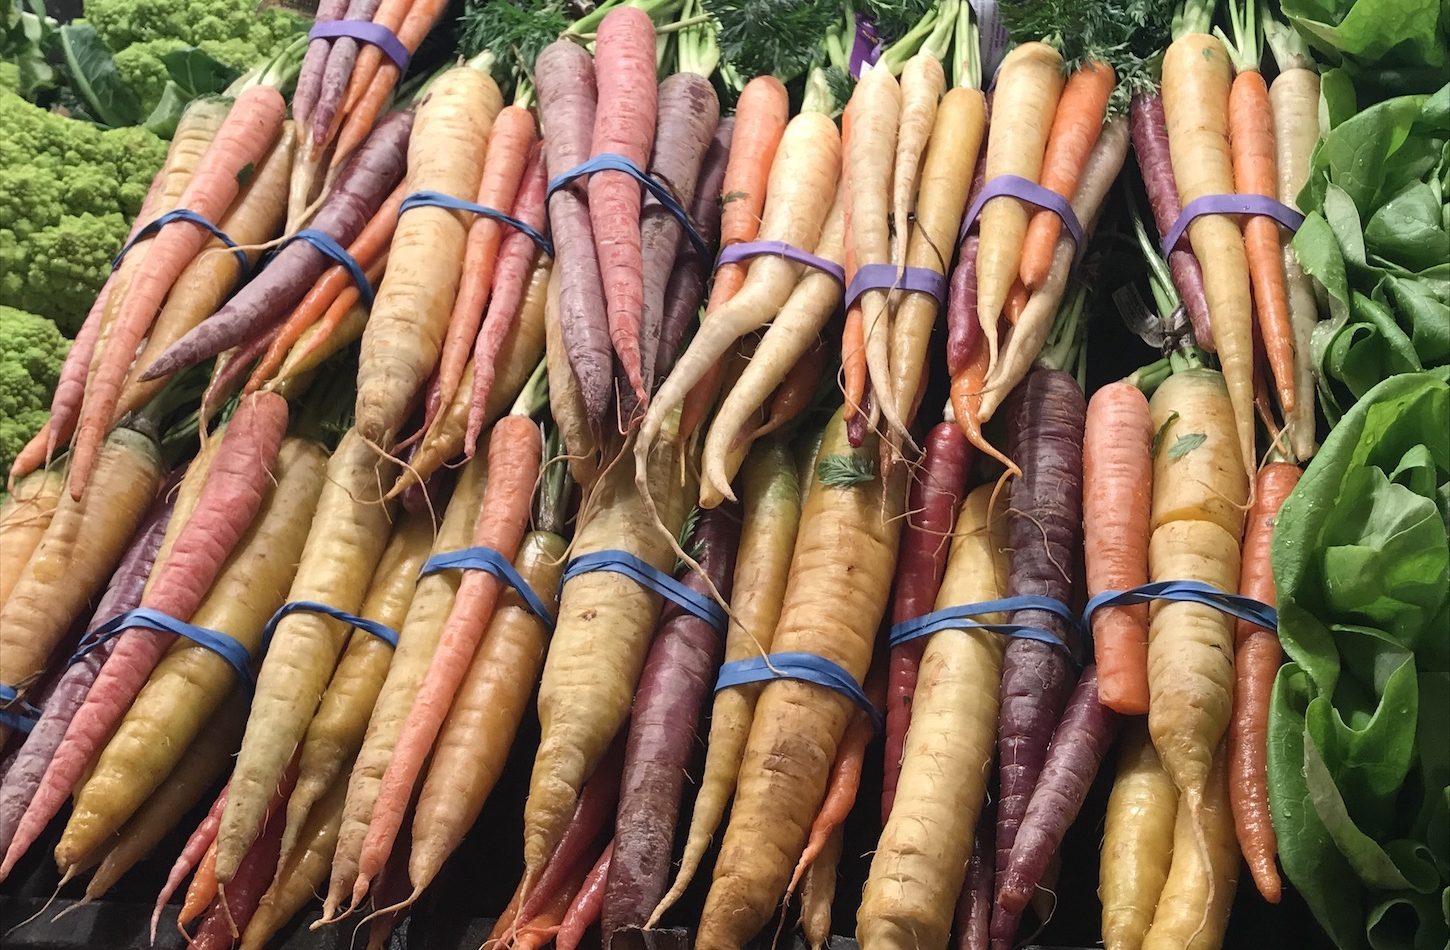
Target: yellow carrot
1137, 841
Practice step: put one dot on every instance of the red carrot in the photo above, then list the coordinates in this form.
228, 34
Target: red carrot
585, 909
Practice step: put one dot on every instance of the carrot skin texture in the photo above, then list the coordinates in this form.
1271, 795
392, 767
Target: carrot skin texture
301, 876
937, 488
564, 73
974, 909
24, 515
676, 681
1137, 840
23, 774
587, 905
591, 816
1149, 129
229, 916
1116, 507
1256, 663
1045, 431
362, 185
335, 74
1078, 746
193, 853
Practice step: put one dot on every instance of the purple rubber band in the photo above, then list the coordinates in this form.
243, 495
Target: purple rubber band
1012, 186
887, 277
365, 31
747, 249
865, 49
1260, 205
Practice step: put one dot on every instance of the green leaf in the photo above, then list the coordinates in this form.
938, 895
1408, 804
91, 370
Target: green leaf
164, 118
1383, 32
197, 73
1185, 444
1162, 433
95, 77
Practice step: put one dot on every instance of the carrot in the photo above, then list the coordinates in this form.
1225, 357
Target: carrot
1254, 162
204, 762
1075, 128
874, 112
199, 893
314, 63
335, 732
967, 393
802, 187
337, 71
585, 909
516, 259
514, 453
772, 506
1256, 662
673, 686
401, 342
937, 487
418, 638
564, 74
1193, 907
922, 83
1138, 841
85, 540
1044, 431
1029, 82
566, 401
474, 742
198, 846
625, 69
237, 482
230, 371
921, 859
510, 143
1116, 505
955, 142
251, 127
523, 345
299, 877
819, 892
22, 776
344, 544
798, 726
964, 331
793, 396
255, 217
804, 314
974, 907
599, 645
191, 682
339, 327
761, 114
1079, 744
335, 284
1196, 77
25, 514
1197, 475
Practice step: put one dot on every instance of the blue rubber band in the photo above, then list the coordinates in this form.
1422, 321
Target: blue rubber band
491, 562
1188, 592
364, 31
224, 645
182, 214
16, 713
887, 277
437, 199
961, 618
803, 667
383, 632
648, 576
609, 161
329, 246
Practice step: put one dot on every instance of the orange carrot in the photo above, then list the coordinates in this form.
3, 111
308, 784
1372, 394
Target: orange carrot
966, 395
1117, 497
250, 128
1256, 663
1075, 128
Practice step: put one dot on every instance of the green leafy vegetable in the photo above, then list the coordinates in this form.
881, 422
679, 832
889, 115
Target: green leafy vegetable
1359, 732
95, 78
1398, 45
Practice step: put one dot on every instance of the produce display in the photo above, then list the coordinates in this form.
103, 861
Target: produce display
723, 420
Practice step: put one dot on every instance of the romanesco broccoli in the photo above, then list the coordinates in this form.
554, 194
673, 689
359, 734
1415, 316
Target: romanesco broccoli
68, 193
140, 32
31, 353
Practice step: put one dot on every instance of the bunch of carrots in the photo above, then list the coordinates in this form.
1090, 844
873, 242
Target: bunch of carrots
295, 543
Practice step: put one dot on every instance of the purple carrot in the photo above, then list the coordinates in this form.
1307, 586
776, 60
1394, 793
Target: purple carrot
689, 113
963, 329
937, 486
1149, 130
1073, 758
974, 908
123, 594
1046, 416
686, 289
333, 82
309, 78
579, 845
564, 76
663, 732
366, 179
